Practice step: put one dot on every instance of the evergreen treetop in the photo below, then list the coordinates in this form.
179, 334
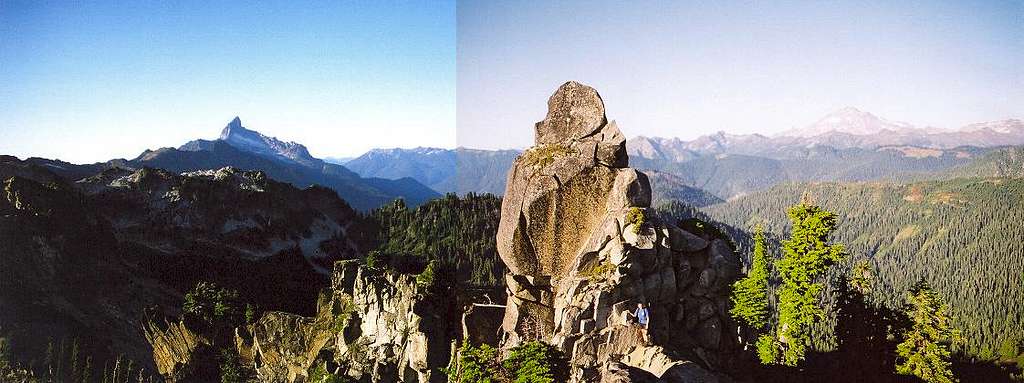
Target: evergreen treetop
925, 351
807, 256
750, 294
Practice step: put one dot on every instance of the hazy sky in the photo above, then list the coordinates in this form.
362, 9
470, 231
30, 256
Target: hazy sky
689, 68
90, 81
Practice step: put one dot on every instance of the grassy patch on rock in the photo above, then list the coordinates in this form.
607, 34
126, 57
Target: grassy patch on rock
543, 155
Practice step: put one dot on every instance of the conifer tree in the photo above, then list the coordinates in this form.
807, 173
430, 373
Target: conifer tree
925, 350
860, 277
750, 294
807, 256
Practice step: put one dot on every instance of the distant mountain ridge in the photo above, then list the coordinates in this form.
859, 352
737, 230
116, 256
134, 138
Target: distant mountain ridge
246, 149
846, 145
430, 166
846, 128
1005, 162
459, 170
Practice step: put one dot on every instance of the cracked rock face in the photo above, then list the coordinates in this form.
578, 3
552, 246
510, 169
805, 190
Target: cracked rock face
558, 190
578, 258
371, 326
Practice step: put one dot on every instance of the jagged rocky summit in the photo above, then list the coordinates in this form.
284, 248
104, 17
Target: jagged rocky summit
371, 325
583, 245
237, 135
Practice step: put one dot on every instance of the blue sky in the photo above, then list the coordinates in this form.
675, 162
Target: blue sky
90, 81
689, 68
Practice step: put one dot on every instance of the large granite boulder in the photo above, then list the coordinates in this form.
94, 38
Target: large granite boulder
575, 111
583, 246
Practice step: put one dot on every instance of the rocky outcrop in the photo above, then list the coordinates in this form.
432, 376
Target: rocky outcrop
175, 347
370, 325
583, 245
242, 210
282, 347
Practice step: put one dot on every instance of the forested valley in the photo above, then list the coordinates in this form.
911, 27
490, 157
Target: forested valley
961, 236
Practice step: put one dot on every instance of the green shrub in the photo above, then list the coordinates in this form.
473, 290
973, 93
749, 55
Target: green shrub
231, 369
767, 349
807, 257
213, 306
426, 279
436, 280
319, 374
750, 294
1010, 349
250, 313
475, 364
925, 350
699, 228
342, 314
635, 217
536, 362
373, 259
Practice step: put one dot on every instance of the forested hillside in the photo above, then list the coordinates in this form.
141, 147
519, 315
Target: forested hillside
457, 232
667, 187
962, 235
1006, 162
728, 175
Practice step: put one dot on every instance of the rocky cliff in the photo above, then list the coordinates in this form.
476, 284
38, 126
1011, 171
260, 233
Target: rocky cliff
582, 246
371, 325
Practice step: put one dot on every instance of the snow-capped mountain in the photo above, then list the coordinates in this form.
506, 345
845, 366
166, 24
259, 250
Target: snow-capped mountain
1011, 126
847, 128
252, 141
848, 120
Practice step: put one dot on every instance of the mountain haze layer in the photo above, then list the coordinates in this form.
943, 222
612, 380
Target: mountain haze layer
843, 129
846, 145
458, 170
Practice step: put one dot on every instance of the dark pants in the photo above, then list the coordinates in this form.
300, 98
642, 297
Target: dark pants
641, 330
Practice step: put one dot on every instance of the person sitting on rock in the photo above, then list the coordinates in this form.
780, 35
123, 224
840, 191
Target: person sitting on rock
642, 320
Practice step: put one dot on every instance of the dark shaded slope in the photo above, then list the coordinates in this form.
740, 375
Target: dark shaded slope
92, 261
